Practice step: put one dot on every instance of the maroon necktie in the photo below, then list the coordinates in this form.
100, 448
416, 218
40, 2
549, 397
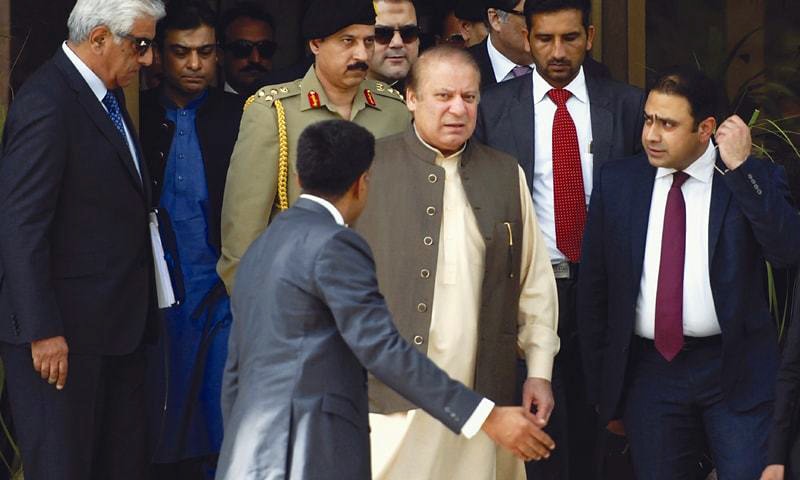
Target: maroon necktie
568, 193
669, 296
520, 70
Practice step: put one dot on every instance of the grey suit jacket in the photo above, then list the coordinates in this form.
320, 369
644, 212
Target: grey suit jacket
506, 120
308, 320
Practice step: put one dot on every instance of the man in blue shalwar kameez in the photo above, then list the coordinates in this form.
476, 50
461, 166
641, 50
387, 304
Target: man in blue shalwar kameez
188, 133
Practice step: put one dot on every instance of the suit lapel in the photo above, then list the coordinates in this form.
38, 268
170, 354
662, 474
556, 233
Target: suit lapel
602, 121
720, 199
99, 117
641, 196
142, 175
522, 121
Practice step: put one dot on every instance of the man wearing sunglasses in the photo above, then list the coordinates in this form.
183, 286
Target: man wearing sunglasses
396, 42
505, 54
75, 256
246, 35
261, 179
463, 23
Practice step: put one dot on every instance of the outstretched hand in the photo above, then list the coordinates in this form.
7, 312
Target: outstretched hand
515, 429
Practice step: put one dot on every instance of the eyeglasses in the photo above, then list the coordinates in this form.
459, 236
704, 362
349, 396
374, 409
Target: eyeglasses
140, 44
243, 48
384, 35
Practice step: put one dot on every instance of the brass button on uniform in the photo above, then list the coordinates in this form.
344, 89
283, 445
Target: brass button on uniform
418, 340
431, 210
425, 273
432, 178
422, 308
427, 241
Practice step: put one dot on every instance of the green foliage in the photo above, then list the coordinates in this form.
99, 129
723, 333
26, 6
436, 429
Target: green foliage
14, 463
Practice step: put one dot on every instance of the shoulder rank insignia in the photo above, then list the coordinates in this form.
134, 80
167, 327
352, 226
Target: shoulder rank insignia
313, 99
370, 99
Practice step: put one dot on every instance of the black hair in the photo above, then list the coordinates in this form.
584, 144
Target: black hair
184, 15
331, 155
242, 9
533, 7
702, 93
505, 5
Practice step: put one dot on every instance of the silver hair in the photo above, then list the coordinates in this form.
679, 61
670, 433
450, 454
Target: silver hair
117, 15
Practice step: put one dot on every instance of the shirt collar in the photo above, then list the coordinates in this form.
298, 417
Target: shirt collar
501, 65
193, 105
328, 206
577, 87
701, 169
229, 89
95, 84
436, 150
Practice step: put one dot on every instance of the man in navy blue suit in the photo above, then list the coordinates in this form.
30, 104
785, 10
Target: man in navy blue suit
77, 291
676, 335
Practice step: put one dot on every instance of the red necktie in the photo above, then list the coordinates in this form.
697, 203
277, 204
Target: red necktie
568, 193
669, 296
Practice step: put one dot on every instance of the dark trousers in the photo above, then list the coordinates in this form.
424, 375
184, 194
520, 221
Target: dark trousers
573, 424
94, 428
673, 409
200, 468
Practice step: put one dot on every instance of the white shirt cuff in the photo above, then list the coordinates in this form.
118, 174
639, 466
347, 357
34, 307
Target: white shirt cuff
479, 415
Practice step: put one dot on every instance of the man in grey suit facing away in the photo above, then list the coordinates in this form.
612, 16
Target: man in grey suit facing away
309, 321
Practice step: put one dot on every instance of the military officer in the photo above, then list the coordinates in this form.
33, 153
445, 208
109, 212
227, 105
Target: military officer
261, 179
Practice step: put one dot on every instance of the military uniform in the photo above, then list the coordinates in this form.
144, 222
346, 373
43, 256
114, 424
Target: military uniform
262, 173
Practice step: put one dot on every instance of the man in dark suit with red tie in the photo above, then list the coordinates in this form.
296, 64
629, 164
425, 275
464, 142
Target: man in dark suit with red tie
76, 269
679, 345
561, 123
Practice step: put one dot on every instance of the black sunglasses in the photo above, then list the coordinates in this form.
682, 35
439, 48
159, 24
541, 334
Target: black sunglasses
140, 44
243, 48
384, 35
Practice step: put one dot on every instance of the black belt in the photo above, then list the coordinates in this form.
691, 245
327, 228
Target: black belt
689, 343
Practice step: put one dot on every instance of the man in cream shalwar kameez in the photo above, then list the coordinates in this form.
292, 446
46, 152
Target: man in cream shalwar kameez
410, 445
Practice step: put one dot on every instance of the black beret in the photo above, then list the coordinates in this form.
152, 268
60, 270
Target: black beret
470, 10
506, 5
326, 17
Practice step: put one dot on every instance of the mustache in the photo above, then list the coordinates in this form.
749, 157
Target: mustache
559, 63
358, 66
254, 68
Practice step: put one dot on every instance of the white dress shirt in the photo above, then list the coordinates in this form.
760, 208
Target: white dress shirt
335, 213
227, 87
544, 112
481, 413
501, 65
699, 315
99, 89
